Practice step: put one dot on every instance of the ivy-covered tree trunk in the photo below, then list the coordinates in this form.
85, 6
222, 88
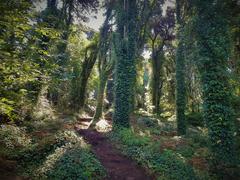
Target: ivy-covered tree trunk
157, 82
180, 77
213, 47
125, 48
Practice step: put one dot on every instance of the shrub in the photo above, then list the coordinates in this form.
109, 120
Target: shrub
130, 139
186, 151
13, 136
64, 155
172, 167
37, 153
76, 164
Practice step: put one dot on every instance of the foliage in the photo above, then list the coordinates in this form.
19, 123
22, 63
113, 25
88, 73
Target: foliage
72, 160
235, 101
14, 137
25, 62
213, 51
166, 165
125, 48
195, 119
80, 80
57, 156
76, 164
180, 75
148, 122
48, 66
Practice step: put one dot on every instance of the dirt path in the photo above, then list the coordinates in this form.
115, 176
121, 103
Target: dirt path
118, 166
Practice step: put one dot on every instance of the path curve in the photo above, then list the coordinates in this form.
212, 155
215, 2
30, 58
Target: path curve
118, 166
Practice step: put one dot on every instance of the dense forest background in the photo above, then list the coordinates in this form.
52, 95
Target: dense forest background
160, 80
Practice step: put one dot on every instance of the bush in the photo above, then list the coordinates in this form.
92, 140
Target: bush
76, 164
70, 158
172, 167
7, 110
37, 153
195, 119
12, 136
199, 140
130, 139
64, 155
186, 151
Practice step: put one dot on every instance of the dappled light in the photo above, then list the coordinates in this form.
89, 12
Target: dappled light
119, 90
103, 126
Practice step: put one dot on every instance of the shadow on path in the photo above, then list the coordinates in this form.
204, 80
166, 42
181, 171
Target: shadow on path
118, 166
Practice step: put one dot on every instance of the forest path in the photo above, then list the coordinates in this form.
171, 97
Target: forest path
118, 166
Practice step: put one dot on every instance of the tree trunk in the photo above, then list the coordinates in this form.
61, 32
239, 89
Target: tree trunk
125, 73
180, 78
100, 99
157, 60
213, 43
78, 99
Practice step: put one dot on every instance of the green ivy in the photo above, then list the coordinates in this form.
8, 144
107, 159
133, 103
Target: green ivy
77, 164
211, 27
180, 77
125, 72
166, 165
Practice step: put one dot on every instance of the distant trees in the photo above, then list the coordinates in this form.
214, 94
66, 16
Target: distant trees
161, 28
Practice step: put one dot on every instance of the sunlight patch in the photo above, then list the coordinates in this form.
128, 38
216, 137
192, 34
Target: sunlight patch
103, 126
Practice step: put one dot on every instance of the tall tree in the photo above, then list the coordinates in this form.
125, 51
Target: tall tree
105, 62
125, 47
90, 57
180, 73
211, 27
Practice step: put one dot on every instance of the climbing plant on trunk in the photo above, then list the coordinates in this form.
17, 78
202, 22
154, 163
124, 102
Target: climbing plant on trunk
211, 27
180, 75
125, 48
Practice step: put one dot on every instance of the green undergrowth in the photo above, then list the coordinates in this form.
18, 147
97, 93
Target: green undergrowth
53, 154
165, 164
192, 147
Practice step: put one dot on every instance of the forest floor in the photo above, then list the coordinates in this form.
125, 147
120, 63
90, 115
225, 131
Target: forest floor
150, 149
118, 166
